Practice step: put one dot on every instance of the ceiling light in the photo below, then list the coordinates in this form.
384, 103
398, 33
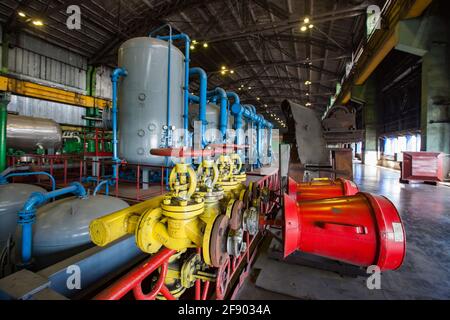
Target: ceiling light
223, 72
23, 15
242, 85
224, 68
194, 41
205, 45
306, 20
258, 98
249, 88
265, 106
311, 26
232, 71
308, 104
192, 47
307, 94
240, 89
303, 28
38, 23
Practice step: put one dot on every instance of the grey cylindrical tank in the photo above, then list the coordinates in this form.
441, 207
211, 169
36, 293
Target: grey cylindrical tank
12, 199
212, 118
28, 133
62, 227
143, 97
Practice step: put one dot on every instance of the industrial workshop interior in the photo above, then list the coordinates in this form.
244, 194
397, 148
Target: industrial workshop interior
235, 150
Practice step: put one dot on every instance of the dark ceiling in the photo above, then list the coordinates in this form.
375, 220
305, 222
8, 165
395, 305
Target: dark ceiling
260, 40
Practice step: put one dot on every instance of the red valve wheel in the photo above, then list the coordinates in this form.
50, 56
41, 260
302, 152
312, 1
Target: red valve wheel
181, 152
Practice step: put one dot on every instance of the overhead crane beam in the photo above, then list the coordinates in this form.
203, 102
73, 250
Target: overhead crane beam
39, 91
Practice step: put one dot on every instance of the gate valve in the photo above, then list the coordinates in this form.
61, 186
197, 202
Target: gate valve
208, 175
182, 179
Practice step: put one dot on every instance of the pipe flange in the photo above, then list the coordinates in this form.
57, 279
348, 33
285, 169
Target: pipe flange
251, 221
218, 241
144, 231
189, 269
236, 216
235, 243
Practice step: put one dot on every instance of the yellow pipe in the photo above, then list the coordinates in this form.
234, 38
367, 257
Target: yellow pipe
378, 57
347, 98
161, 233
114, 226
39, 91
418, 8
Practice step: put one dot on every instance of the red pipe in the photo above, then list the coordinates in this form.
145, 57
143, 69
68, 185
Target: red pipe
166, 293
325, 189
363, 230
205, 290
135, 277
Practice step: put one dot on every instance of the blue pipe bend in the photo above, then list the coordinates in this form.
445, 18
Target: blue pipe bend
27, 174
202, 98
222, 95
27, 216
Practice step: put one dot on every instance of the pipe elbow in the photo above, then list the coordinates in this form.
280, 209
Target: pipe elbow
79, 191
35, 199
198, 71
234, 96
117, 73
221, 93
237, 110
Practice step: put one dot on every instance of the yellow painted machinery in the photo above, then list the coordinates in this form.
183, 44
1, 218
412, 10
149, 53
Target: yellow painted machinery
203, 220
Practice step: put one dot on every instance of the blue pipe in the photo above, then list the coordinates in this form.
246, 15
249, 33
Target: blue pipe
4, 179
100, 185
27, 216
194, 99
203, 99
117, 73
220, 93
187, 44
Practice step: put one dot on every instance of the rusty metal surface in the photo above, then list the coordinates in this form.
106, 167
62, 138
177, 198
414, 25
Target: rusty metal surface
309, 138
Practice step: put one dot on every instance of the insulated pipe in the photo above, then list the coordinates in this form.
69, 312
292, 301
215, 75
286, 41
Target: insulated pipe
362, 230
203, 99
117, 73
27, 215
220, 93
4, 180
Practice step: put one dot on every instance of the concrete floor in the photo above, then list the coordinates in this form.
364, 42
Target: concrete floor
425, 274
